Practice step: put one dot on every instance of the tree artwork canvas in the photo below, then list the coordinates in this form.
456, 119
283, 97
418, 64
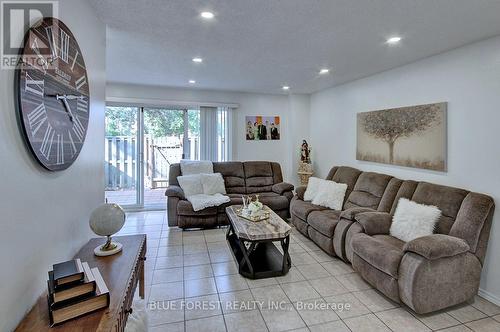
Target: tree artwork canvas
413, 136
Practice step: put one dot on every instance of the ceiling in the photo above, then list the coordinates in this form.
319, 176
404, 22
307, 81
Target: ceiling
261, 45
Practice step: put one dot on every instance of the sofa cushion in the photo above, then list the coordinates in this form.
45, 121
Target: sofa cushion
324, 221
184, 208
312, 188
383, 252
191, 184
213, 184
368, 190
344, 174
330, 194
258, 176
412, 220
447, 199
274, 201
302, 209
233, 174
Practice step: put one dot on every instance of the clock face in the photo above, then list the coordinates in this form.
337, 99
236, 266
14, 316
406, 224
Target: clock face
53, 94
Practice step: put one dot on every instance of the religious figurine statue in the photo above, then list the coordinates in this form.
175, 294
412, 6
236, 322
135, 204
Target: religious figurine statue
305, 153
305, 170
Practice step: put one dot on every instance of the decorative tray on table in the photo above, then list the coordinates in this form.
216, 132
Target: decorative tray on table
257, 216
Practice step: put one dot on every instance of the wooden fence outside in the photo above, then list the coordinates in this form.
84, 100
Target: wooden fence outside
121, 158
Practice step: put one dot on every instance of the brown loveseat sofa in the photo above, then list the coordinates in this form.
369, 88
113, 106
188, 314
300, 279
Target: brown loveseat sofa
428, 273
240, 178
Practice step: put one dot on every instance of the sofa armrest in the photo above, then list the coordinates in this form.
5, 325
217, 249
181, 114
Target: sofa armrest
282, 187
437, 246
175, 191
374, 222
300, 192
351, 213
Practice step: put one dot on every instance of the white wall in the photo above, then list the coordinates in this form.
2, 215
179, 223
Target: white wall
467, 78
290, 109
45, 215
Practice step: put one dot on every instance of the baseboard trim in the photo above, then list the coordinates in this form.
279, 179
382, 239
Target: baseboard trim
490, 297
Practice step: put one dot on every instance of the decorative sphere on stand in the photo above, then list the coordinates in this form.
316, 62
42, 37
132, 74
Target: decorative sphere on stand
107, 220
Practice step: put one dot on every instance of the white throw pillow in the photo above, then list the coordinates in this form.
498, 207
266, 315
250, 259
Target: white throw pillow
312, 188
189, 167
213, 184
412, 220
330, 194
190, 184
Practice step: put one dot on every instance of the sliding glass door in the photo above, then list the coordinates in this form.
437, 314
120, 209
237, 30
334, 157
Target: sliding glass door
169, 136
142, 142
121, 148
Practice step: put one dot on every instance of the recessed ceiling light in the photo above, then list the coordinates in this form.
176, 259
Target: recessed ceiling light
393, 40
198, 60
286, 87
192, 81
207, 15
324, 71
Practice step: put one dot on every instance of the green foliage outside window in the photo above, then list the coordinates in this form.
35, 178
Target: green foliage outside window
121, 121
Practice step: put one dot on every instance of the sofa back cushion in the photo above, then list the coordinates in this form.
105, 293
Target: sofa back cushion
259, 176
173, 173
447, 199
406, 190
473, 222
233, 174
390, 193
368, 190
344, 174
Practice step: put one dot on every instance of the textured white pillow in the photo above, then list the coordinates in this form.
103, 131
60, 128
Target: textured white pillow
412, 220
189, 167
312, 188
191, 184
213, 184
330, 194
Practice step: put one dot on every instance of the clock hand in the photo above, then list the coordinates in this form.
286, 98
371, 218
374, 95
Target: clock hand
66, 105
69, 97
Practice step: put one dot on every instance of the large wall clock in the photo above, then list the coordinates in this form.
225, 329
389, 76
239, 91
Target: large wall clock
53, 94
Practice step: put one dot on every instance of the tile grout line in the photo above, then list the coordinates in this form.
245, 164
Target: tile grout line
215, 281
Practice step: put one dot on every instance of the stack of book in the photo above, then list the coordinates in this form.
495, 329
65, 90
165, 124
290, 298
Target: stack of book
74, 289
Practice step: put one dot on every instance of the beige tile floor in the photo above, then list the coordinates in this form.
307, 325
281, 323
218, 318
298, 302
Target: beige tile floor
193, 281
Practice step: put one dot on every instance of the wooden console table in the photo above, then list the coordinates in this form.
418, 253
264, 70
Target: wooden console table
121, 272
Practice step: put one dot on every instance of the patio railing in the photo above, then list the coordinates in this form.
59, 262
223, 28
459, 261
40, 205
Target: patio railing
121, 158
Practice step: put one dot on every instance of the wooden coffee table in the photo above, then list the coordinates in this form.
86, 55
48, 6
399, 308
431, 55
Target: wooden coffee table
252, 244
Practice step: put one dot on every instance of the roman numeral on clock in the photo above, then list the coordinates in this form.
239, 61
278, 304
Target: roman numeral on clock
82, 105
52, 41
78, 128
80, 82
64, 46
34, 86
72, 144
37, 118
74, 60
60, 150
41, 60
48, 139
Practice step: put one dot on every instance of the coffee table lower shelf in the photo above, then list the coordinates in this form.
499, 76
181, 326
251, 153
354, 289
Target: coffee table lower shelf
259, 259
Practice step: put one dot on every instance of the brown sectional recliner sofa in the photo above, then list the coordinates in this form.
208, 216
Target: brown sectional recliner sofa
240, 178
427, 274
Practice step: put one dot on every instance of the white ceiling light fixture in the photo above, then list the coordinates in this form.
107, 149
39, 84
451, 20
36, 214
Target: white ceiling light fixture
286, 87
324, 71
207, 15
393, 40
192, 82
197, 60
